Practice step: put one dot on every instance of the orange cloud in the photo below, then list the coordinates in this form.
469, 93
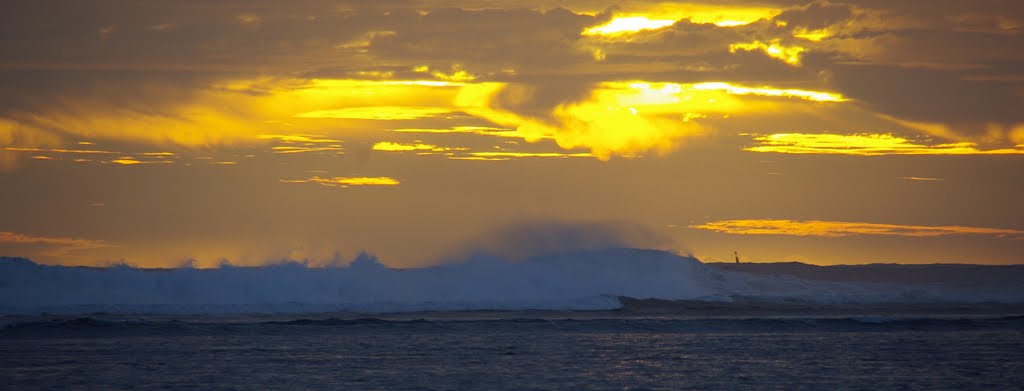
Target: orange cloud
302, 143
865, 145
639, 16
59, 246
344, 182
77, 151
627, 117
629, 24
478, 130
842, 228
131, 161
399, 147
734, 89
774, 49
236, 111
297, 138
283, 149
511, 155
383, 113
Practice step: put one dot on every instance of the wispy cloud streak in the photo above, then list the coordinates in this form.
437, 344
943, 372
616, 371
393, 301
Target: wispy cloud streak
842, 228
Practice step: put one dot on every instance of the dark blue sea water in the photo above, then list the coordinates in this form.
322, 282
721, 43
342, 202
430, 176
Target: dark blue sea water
603, 350
553, 322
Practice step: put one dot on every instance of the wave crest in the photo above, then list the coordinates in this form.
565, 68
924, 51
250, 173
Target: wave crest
579, 280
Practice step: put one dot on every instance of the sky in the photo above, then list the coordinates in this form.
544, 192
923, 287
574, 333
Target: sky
164, 132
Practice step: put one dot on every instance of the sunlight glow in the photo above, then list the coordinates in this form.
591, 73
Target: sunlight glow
774, 49
625, 25
615, 119
245, 111
628, 117
817, 96
728, 16
651, 16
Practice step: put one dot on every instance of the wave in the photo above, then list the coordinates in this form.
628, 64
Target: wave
89, 326
578, 280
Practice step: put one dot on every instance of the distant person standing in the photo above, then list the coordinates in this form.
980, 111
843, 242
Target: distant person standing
737, 254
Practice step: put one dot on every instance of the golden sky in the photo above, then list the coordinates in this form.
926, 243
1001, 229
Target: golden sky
160, 131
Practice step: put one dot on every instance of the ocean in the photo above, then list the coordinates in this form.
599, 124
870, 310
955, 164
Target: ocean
616, 319
509, 350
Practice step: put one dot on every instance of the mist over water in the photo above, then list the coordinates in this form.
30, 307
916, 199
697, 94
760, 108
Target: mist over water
573, 280
525, 239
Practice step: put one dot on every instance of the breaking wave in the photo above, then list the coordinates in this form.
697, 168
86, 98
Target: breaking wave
578, 280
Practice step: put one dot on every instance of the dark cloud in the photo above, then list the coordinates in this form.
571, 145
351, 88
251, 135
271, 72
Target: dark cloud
946, 62
488, 40
817, 15
931, 95
519, 241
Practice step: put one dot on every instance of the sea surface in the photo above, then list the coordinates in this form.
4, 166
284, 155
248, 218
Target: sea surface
614, 319
646, 345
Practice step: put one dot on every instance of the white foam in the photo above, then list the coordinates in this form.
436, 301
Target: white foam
581, 280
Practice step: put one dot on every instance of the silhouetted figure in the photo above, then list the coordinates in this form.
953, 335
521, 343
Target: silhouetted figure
737, 254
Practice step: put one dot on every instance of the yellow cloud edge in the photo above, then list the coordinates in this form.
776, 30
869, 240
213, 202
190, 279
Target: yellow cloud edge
841, 228
343, 182
865, 144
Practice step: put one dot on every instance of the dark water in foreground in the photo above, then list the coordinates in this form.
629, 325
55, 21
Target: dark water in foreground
550, 350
